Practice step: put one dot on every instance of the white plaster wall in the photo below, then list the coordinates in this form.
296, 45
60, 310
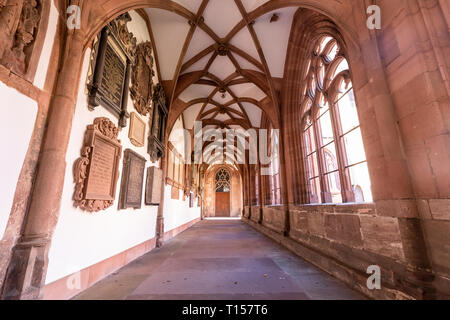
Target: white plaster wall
82, 239
44, 60
19, 113
177, 212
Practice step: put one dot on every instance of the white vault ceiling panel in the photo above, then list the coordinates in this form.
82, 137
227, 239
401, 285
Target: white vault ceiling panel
245, 64
274, 38
244, 41
251, 5
195, 91
222, 67
248, 90
208, 107
223, 117
169, 30
191, 5
199, 65
235, 107
200, 41
191, 114
221, 16
254, 113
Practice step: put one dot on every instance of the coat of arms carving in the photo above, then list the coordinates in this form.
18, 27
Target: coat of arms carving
142, 79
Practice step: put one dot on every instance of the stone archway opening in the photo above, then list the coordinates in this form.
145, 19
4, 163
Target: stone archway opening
223, 192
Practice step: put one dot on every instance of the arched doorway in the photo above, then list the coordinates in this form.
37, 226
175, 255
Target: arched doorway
223, 193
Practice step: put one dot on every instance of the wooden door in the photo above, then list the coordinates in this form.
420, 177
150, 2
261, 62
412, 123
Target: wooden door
223, 205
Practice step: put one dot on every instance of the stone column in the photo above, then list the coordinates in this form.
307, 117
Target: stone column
160, 216
28, 267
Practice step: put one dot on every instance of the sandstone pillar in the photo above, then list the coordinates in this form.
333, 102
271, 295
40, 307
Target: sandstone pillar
27, 270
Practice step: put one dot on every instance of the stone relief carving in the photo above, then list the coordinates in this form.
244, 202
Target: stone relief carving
120, 29
142, 78
97, 171
20, 21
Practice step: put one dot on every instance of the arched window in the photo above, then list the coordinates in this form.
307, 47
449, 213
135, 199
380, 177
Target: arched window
274, 170
335, 160
223, 181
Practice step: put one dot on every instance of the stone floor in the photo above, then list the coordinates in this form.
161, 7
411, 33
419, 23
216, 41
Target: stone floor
219, 259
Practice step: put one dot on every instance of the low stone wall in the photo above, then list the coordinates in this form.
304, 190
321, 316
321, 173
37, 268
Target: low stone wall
274, 218
246, 213
344, 240
255, 214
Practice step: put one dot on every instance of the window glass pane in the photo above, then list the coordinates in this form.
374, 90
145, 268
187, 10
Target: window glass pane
326, 128
335, 187
276, 165
354, 147
324, 43
361, 185
310, 141
348, 112
343, 65
331, 162
315, 189
333, 53
313, 168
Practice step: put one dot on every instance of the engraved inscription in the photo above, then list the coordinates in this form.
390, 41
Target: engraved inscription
101, 174
153, 190
135, 182
132, 180
97, 170
113, 76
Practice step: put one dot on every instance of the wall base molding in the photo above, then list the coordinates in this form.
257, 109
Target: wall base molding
72, 285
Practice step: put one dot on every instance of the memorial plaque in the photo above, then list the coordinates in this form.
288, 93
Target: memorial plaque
175, 193
191, 200
132, 180
158, 124
112, 56
97, 171
153, 189
137, 130
113, 76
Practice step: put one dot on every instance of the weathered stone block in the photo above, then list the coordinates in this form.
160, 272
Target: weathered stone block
440, 209
316, 224
344, 228
382, 235
438, 243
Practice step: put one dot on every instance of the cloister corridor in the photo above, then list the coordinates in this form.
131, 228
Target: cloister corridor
220, 259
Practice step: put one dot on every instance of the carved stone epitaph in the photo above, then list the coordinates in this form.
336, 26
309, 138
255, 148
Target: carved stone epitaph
19, 21
97, 171
132, 180
112, 57
142, 79
153, 188
158, 124
137, 130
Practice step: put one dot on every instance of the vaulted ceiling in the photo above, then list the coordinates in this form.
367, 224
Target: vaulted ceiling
221, 62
